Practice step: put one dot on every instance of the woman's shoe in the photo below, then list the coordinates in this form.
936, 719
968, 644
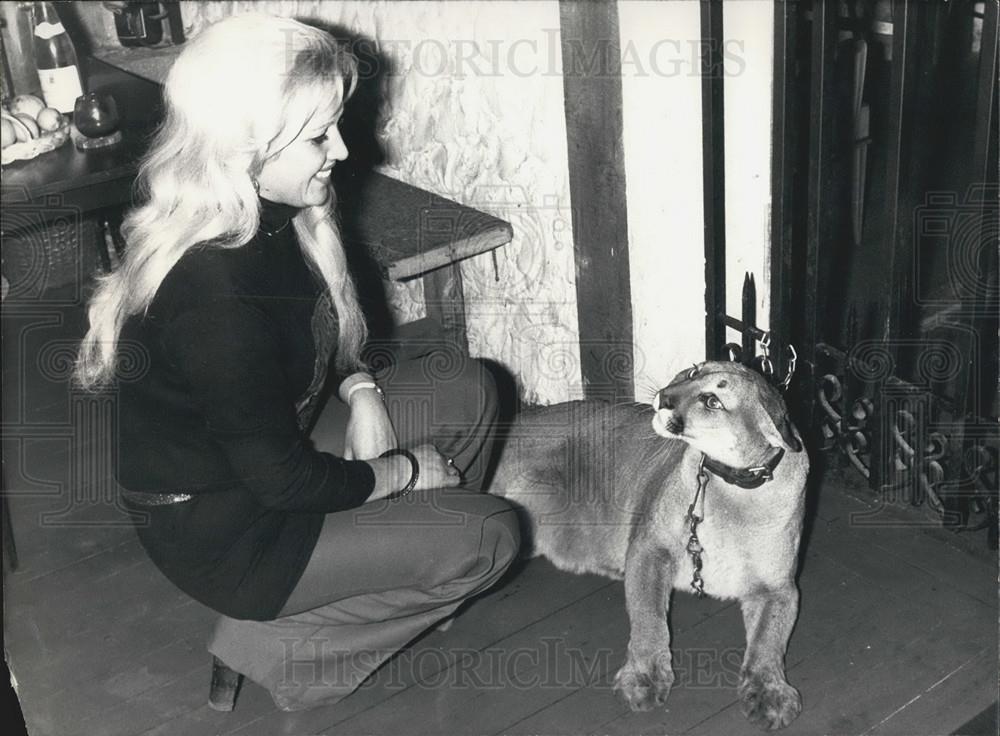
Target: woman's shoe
225, 686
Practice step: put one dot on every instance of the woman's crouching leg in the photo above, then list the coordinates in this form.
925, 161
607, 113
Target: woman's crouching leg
321, 655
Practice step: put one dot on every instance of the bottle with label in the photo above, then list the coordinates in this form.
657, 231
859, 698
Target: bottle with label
58, 68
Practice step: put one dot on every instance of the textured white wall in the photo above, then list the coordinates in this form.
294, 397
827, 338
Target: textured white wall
475, 112
661, 95
749, 29
661, 90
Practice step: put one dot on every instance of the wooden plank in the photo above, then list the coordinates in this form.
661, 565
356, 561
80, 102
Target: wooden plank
489, 691
147, 709
98, 652
831, 601
410, 231
574, 649
528, 597
592, 87
596, 705
714, 641
901, 651
956, 697
86, 525
875, 658
58, 618
92, 703
846, 584
444, 299
713, 147
898, 535
73, 578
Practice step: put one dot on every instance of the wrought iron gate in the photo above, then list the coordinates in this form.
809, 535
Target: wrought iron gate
884, 245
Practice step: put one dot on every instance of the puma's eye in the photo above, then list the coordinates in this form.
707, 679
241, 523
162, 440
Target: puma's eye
712, 401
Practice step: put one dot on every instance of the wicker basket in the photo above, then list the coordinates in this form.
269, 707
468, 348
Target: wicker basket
36, 147
40, 257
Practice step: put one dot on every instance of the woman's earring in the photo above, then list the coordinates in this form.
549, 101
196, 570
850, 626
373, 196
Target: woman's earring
256, 184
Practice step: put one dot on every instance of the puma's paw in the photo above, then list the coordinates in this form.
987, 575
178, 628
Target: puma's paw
645, 686
769, 703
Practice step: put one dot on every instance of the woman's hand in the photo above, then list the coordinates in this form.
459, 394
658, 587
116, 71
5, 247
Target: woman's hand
393, 473
435, 469
369, 430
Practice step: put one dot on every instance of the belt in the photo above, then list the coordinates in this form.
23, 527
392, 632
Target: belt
142, 498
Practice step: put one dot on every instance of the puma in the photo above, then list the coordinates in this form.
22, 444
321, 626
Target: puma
616, 490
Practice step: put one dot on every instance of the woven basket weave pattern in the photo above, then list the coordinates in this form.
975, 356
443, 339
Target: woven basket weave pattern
41, 257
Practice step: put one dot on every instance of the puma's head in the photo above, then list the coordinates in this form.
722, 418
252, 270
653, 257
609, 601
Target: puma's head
726, 411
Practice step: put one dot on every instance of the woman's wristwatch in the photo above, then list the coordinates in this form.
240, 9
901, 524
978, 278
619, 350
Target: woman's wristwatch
414, 470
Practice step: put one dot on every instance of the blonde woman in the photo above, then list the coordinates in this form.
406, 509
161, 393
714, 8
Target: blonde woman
334, 550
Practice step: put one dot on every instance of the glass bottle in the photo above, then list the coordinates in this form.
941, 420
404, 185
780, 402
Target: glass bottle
55, 57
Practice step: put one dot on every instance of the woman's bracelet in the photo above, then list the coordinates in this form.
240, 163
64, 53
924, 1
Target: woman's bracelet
414, 470
366, 385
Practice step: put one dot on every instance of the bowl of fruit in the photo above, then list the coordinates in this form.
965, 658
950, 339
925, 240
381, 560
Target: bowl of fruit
28, 128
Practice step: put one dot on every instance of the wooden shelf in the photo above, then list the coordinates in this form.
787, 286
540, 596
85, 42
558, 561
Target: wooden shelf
410, 231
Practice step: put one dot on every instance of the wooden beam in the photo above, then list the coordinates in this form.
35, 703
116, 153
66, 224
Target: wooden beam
819, 206
713, 136
784, 146
897, 320
592, 88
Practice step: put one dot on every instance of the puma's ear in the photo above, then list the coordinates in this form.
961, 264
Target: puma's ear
776, 410
685, 375
788, 434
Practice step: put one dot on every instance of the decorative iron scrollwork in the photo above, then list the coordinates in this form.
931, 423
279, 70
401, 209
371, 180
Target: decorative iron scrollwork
848, 430
917, 460
829, 393
856, 439
980, 466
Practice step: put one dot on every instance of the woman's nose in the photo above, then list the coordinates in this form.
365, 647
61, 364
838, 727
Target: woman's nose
336, 148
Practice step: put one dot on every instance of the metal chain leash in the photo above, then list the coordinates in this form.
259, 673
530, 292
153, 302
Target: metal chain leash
767, 367
694, 518
792, 361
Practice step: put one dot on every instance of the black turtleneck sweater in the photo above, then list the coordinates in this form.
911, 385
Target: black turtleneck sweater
230, 351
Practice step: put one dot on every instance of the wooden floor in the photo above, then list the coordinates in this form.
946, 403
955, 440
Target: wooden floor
897, 633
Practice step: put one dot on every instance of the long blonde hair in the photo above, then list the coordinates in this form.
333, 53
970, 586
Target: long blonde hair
238, 94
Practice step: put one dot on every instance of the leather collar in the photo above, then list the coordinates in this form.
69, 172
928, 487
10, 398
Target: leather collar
753, 477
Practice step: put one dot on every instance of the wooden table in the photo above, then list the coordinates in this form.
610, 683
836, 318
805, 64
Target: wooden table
96, 179
408, 231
